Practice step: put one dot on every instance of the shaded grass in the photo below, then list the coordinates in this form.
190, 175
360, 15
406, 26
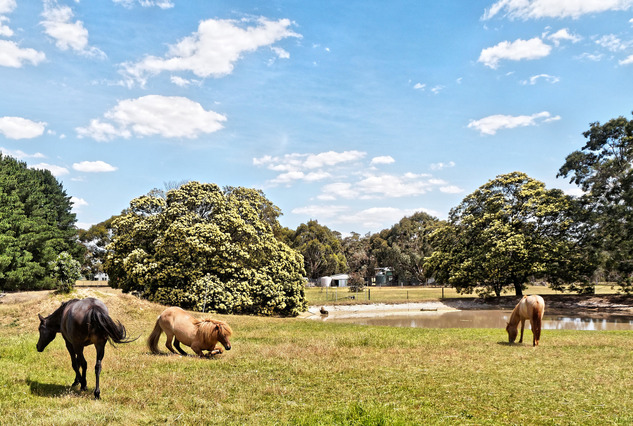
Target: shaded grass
302, 372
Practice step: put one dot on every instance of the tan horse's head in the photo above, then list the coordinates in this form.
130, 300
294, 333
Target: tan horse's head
512, 333
215, 331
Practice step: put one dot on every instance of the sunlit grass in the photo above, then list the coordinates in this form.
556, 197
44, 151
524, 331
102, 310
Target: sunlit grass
294, 371
396, 294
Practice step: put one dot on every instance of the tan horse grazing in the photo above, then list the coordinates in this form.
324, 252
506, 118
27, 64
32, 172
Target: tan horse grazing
532, 308
198, 334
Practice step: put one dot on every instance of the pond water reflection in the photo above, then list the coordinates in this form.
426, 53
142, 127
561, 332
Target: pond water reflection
484, 319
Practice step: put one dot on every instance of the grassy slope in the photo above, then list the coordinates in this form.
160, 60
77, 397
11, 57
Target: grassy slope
293, 371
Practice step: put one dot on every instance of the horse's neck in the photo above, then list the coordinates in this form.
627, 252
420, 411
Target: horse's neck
54, 320
515, 317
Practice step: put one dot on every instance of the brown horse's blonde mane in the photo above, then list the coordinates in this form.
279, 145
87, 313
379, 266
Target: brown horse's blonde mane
208, 331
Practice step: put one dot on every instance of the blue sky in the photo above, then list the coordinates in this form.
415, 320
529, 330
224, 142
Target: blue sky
353, 113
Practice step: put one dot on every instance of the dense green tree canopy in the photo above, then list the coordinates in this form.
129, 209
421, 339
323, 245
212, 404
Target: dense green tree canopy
507, 231
95, 239
321, 249
603, 168
208, 249
36, 224
404, 247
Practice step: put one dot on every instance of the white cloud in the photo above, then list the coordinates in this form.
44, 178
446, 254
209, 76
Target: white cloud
21, 128
385, 159
514, 51
55, 170
451, 189
491, 124
11, 55
20, 154
590, 57
419, 86
183, 82
437, 89
320, 211
68, 34
212, 51
78, 202
380, 217
535, 78
440, 166
612, 43
536, 9
380, 186
163, 4
296, 167
563, 35
627, 61
6, 6
94, 167
166, 116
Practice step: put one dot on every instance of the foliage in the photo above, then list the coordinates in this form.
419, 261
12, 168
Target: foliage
357, 252
65, 271
203, 248
321, 249
603, 168
36, 224
507, 231
95, 240
404, 247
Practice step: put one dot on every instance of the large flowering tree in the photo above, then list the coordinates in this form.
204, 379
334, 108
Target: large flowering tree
207, 249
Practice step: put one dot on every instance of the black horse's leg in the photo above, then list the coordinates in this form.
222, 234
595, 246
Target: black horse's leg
73, 360
100, 346
178, 348
83, 365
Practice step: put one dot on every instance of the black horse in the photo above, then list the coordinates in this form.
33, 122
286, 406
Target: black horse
82, 323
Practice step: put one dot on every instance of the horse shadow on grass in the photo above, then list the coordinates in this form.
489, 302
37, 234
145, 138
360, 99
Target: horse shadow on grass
50, 390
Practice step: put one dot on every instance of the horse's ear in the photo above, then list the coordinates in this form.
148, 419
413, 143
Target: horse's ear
40, 317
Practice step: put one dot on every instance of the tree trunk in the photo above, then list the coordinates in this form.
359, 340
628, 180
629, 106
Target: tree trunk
519, 289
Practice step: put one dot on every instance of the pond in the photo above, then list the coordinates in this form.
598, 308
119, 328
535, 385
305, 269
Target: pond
481, 319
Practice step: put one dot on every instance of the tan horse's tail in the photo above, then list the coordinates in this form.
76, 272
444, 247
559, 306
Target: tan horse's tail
537, 315
152, 340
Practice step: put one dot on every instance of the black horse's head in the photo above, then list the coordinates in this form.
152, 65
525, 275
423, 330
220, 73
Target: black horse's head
47, 334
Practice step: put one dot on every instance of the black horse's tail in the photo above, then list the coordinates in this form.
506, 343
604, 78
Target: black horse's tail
114, 331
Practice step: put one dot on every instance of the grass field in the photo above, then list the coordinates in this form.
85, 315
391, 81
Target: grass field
342, 295
302, 372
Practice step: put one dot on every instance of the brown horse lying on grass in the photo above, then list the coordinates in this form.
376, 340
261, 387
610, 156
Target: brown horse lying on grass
198, 334
532, 308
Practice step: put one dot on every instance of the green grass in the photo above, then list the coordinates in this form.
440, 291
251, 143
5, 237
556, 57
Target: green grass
320, 295
303, 372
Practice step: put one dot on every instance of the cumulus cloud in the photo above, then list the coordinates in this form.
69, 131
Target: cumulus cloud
440, 166
517, 50
612, 43
21, 128
6, 6
320, 211
491, 124
162, 4
20, 154
93, 167
71, 34
13, 56
55, 170
154, 115
419, 86
537, 9
546, 77
213, 50
627, 61
378, 217
563, 35
78, 202
385, 159
296, 167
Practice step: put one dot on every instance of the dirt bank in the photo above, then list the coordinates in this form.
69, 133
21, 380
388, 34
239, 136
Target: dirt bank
590, 306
